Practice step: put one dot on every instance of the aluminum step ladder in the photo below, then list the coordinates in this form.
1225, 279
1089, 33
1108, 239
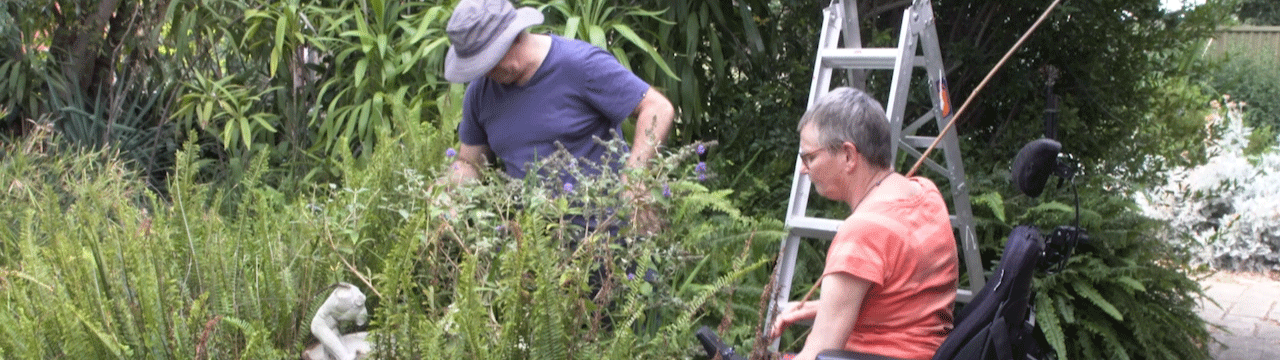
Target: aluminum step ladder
917, 48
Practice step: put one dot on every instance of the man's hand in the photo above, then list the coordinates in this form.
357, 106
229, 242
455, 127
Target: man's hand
464, 170
466, 167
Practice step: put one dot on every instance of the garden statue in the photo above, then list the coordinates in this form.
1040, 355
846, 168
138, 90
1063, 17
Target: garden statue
345, 303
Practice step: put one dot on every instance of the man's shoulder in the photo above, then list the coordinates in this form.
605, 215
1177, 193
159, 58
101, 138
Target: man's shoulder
571, 43
567, 49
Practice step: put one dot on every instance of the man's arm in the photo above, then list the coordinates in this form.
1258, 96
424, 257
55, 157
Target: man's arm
654, 116
466, 167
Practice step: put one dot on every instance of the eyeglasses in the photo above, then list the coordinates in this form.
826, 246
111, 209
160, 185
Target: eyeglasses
807, 157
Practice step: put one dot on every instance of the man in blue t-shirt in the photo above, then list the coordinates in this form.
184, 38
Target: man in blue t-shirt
528, 92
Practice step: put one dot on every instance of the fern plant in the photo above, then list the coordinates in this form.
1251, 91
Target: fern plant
1125, 294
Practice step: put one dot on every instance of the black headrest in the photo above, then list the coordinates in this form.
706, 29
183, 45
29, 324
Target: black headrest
1034, 164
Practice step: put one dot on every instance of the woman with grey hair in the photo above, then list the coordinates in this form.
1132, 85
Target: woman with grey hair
890, 278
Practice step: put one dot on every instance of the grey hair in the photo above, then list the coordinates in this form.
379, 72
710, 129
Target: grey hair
850, 115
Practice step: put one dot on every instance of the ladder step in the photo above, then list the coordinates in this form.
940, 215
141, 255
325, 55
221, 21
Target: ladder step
863, 58
821, 228
811, 227
919, 142
859, 58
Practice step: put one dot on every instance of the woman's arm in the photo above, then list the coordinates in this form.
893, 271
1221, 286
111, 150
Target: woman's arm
836, 313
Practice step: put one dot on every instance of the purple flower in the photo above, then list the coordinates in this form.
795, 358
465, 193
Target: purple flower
701, 169
450, 153
631, 276
568, 187
666, 190
702, 149
702, 176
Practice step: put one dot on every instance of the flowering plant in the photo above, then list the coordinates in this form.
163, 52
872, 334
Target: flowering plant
1226, 212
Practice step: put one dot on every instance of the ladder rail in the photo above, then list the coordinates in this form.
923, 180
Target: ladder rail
800, 185
900, 85
961, 206
853, 39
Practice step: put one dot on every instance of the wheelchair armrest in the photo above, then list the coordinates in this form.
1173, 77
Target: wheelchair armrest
714, 346
835, 354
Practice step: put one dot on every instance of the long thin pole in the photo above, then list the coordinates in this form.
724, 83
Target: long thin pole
952, 123
981, 85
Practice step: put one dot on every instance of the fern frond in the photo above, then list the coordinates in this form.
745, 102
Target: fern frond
1084, 343
1086, 290
991, 200
686, 319
547, 339
1131, 284
1049, 325
1065, 308
1115, 348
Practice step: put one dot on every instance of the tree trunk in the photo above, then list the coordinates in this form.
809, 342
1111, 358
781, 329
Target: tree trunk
83, 53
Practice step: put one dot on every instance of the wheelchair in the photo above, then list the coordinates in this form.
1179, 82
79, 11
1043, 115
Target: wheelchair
999, 323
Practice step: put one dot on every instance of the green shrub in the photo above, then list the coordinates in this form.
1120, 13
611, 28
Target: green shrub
94, 265
1255, 81
503, 271
1125, 294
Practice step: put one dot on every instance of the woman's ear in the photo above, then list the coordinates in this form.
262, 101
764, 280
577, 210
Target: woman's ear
847, 149
851, 154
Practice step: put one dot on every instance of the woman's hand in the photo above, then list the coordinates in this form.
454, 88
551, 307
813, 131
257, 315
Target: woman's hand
792, 313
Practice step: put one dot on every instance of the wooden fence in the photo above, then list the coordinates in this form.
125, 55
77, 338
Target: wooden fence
1260, 42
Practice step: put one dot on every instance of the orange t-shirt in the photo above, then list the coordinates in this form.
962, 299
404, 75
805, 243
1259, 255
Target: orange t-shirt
907, 250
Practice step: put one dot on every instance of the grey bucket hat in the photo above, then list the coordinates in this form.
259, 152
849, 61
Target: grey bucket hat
480, 33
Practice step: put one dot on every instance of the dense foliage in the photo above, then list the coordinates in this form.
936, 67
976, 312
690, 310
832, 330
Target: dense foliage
95, 266
1117, 296
1259, 12
1128, 92
291, 182
1254, 81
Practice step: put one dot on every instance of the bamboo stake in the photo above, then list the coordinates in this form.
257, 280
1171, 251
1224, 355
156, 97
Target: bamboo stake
981, 85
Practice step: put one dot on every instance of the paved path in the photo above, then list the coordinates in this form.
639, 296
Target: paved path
1248, 310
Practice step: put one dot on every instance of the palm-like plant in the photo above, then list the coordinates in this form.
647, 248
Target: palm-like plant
607, 26
386, 60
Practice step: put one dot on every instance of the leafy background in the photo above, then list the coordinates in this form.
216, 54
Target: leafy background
184, 176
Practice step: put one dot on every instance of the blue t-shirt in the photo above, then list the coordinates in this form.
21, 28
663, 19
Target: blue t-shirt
580, 91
